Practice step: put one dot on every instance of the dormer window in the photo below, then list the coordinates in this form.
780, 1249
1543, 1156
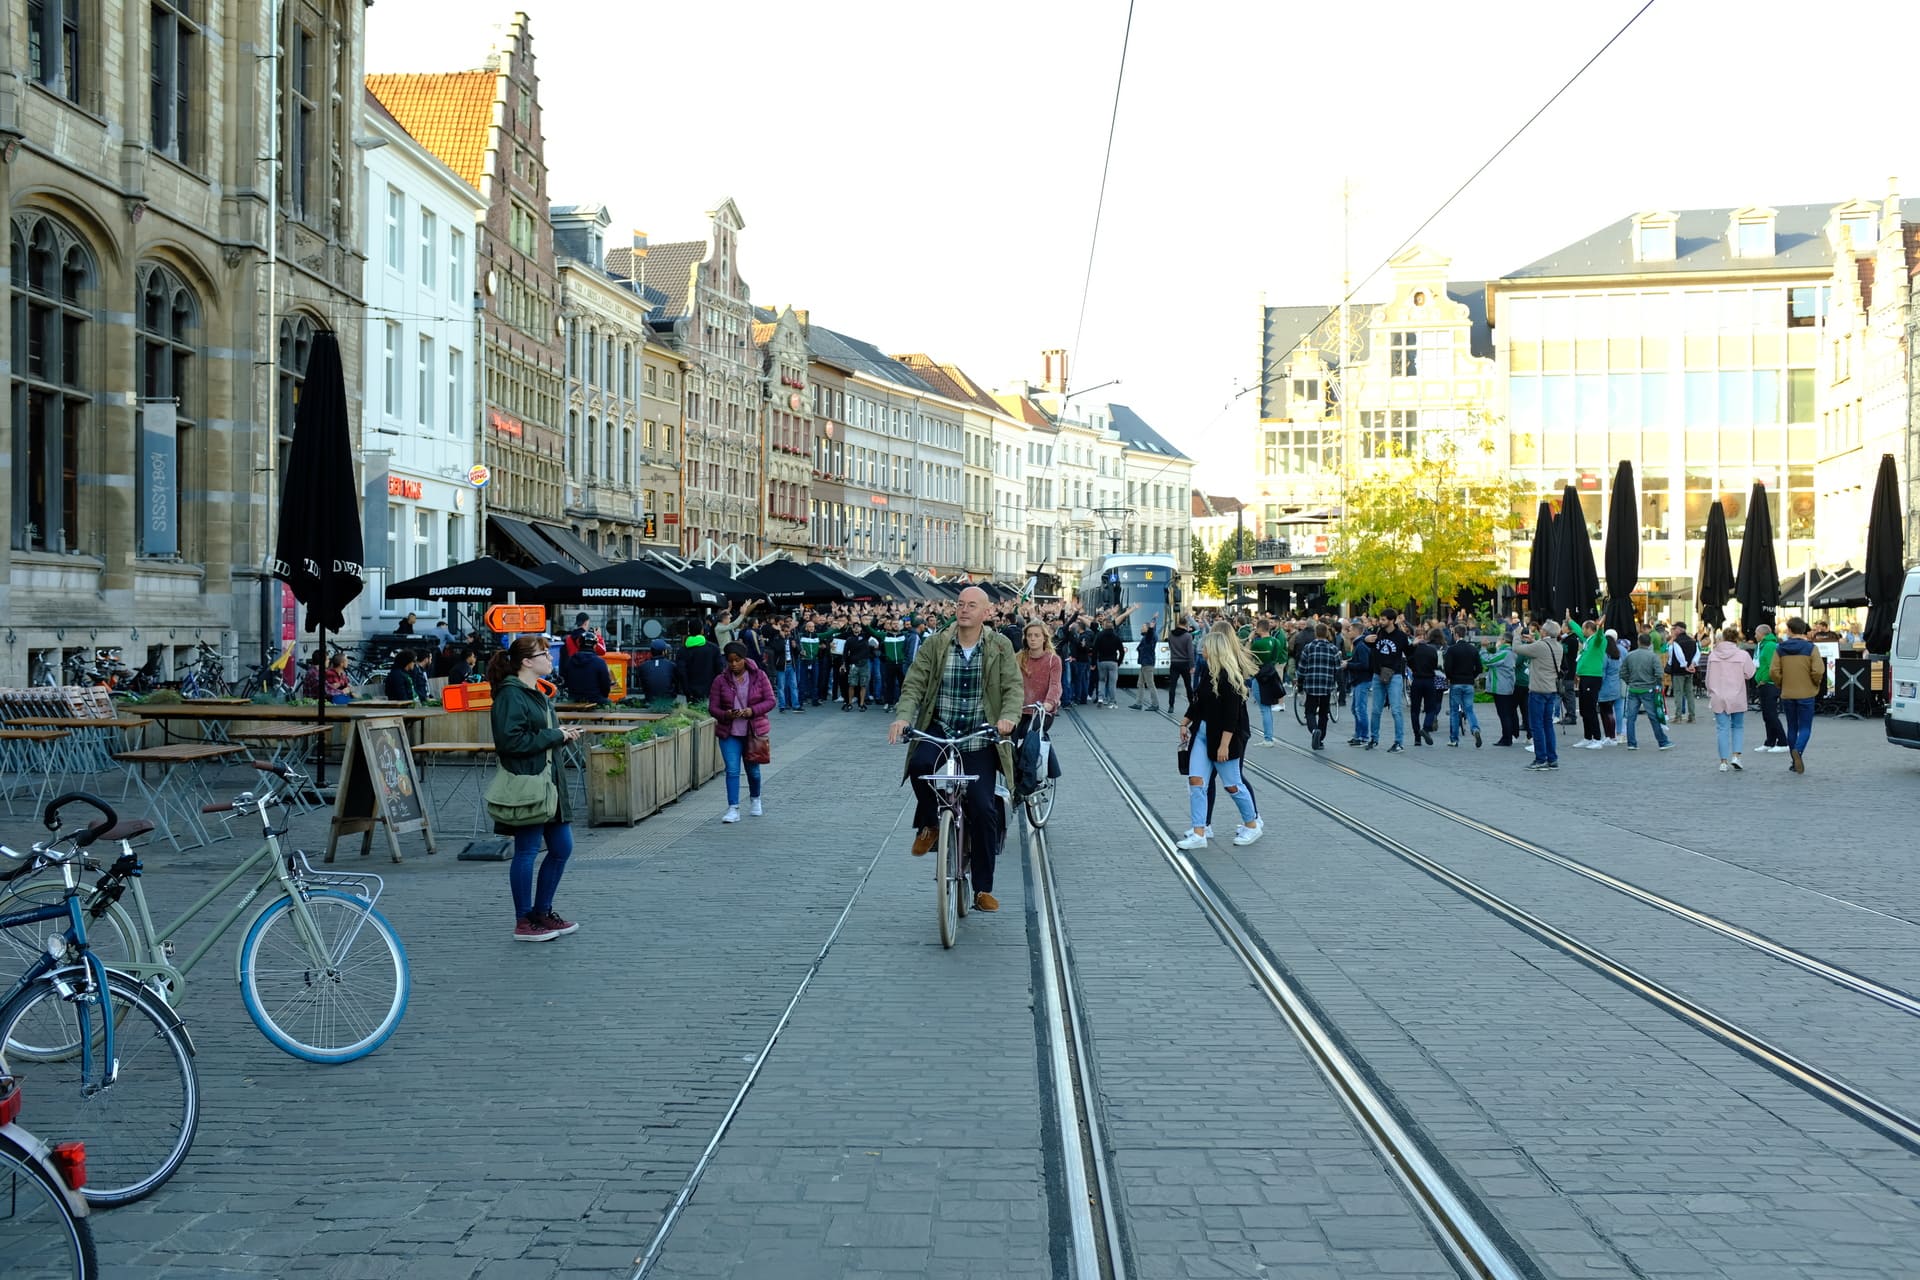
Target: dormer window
1750, 231
1653, 237
1860, 227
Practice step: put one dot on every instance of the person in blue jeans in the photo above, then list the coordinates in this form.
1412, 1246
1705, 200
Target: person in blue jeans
739, 701
1541, 652
1389, 694
1359, 673
1801, 673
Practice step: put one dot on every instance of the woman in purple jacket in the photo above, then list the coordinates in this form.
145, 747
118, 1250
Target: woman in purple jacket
740, 702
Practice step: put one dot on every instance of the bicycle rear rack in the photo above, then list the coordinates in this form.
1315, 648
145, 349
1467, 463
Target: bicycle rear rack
359, 884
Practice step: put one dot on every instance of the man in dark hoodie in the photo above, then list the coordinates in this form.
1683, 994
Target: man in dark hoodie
699, 664
1179, 662
1461, 662
1802, 673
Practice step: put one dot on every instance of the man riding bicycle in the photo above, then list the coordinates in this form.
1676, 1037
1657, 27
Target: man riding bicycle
963, 677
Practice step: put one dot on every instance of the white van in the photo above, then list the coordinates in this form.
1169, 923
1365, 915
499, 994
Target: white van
1903, 668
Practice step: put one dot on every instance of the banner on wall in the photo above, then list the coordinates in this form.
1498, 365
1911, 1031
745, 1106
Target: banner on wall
159, 479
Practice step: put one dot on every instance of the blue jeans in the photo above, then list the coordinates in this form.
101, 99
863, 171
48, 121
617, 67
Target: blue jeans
732, 750
1799, 713
876, 677
1266, 719
1651, 704
1459, 708
529, 897
1390, 694
1362, 692
787, 688
1729, 731
1543, 712
1200, 767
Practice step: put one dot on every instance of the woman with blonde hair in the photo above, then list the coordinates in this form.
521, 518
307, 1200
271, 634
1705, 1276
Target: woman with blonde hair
1213, 737
1729, 667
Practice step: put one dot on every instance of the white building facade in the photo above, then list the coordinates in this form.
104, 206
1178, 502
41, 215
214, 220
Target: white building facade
419, 408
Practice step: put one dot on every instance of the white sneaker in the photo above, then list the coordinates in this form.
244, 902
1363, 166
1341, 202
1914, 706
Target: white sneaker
1209, 831
732, 814
1724, 766
1191, 842
754, 809
1247, 835
1735, 762
1269, 742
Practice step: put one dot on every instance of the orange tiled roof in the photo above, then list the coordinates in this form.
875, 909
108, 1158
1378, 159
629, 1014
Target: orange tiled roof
449, 113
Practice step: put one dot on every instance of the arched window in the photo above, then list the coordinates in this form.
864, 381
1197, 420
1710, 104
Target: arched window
296, 344
52, 328
169, 325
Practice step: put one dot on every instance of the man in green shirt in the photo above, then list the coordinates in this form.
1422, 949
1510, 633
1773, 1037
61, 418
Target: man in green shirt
1765, 643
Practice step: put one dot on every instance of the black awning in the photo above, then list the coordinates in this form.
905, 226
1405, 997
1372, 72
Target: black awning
573, 544
522, 537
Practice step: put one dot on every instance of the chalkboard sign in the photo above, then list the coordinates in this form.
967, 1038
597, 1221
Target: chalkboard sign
379, 787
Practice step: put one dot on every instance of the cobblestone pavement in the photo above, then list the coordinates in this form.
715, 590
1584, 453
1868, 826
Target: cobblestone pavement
541, 1106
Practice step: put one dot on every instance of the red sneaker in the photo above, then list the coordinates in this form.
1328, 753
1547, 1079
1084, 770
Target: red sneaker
553, 921
527, 929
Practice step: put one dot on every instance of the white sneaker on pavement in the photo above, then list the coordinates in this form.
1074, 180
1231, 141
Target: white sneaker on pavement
1191, 842
1247, 835
753, 810
732, 814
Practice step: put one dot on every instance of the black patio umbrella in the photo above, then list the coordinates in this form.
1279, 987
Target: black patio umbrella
318, 552
631, 582
716, 580
1715, 580
899, 585
791, 581
484, 580
1540, 565
1886, 559
1576, 583
857, 588
1623, 553
1757, 582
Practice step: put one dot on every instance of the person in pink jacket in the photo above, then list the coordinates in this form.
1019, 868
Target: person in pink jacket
1729, 667
740, 701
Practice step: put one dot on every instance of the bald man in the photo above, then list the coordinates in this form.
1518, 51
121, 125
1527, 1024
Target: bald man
962, 677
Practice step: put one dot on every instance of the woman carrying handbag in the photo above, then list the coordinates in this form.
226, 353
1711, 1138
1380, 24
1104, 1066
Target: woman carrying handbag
740, 701
527, 798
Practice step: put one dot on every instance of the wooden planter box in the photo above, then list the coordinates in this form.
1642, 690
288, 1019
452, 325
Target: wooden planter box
670, 762
623, 784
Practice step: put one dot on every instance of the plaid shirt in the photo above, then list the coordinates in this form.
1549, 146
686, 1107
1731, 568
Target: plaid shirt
960, 703
1318, 667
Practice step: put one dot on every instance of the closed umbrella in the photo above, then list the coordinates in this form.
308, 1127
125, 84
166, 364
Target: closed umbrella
1715, 582
1886, 559
318, 552
1540, 565
1623, 552
1576, 583
1757, 583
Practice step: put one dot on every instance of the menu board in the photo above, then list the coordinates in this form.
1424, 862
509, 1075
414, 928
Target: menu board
379, 787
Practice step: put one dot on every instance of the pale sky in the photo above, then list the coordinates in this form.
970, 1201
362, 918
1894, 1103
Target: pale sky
924, 176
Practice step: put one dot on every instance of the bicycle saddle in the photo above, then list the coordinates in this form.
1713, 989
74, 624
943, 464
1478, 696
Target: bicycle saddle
267, 766
131, 829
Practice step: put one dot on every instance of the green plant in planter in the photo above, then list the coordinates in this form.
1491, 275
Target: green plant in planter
163, 697
618, 744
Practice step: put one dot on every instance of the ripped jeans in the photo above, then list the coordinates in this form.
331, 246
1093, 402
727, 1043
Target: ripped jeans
1199, 767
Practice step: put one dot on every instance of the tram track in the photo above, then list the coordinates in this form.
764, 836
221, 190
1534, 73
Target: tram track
1839, 975
1465, 1229
1849, 1100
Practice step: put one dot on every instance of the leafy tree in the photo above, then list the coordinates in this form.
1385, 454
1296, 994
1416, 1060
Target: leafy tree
1422, 528
1202, 563
1239, 546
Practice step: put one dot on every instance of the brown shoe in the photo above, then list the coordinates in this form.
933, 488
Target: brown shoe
1799, 765
985, 902
924, 841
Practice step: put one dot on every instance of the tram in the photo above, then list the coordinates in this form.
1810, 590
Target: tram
1152, 582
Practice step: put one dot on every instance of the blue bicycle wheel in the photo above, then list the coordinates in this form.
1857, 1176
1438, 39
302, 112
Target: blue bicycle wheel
329, 1008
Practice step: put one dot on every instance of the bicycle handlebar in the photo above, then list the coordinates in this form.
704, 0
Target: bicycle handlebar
986, 731
108, 818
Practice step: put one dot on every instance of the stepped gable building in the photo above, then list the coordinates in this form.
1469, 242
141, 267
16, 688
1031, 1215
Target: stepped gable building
701, 305
142, 466
786, 408
486, 125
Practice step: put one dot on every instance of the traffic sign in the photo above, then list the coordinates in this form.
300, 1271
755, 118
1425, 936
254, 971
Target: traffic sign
506, 618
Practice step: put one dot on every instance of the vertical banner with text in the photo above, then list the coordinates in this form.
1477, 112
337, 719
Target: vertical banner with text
159, 479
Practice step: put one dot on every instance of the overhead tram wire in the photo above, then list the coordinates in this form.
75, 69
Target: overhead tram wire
1266, 374
1100, 204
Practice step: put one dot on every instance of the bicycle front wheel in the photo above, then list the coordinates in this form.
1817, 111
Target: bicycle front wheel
332, 998
139, 1126
41, 1237
1040, 805
945, 867
112, 936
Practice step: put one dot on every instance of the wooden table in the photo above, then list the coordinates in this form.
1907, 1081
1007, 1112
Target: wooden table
610, 717
215, 717
474, 753
181, 788
290, 744
28, 754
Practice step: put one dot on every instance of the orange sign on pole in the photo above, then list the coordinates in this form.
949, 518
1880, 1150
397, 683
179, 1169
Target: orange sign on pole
506, 618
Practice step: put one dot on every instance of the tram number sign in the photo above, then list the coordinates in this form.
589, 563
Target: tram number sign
507, 618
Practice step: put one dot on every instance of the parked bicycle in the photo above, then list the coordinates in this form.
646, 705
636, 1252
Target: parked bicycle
44, 1233
113, 1065
322, 974
951, 863
206, 677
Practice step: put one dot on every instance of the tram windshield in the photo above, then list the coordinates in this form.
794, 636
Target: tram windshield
1151, 587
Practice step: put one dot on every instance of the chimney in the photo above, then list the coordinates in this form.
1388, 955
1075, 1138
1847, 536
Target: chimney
1055, 379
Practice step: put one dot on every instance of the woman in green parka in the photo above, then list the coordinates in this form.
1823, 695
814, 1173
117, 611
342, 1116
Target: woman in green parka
527, 739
